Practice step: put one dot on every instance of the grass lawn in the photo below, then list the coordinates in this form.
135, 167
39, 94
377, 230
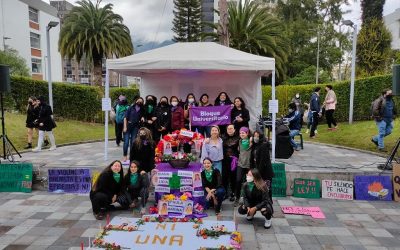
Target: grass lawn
67, 131
358, 135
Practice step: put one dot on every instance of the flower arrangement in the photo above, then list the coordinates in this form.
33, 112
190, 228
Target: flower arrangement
178, 156
171, 197
101, 243
198, 208
214, 232
161, 219
235, 241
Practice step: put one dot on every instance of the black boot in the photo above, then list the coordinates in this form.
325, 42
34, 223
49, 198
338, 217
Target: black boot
28, 146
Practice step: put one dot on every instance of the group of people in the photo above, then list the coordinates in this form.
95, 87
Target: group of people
39, 118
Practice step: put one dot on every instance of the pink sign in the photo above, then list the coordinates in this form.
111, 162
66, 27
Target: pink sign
315, 212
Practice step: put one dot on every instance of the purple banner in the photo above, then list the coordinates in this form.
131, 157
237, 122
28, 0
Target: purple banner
69, 180
373, 188
210, 116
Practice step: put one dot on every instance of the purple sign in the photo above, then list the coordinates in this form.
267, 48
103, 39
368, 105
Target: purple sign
69, 180
210, 116
373, 188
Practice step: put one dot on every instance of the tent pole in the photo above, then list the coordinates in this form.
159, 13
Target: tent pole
273, 119
106, 95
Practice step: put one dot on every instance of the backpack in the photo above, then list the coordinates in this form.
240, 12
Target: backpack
120, 114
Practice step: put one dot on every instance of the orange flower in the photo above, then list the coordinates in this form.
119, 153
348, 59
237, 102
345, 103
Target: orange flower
375, 187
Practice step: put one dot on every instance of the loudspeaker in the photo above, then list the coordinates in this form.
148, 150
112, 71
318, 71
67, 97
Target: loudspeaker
396, 80
283, 148
5, 79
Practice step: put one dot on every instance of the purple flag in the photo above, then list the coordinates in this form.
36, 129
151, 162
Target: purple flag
210, 116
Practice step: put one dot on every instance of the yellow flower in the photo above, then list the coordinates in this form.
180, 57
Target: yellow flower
184, 197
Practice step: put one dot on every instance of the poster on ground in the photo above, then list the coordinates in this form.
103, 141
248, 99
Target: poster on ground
279, 180
373, 187
76, 180
337, 189
396, 181
16, 177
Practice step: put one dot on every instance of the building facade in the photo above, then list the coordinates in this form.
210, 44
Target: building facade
392, 22
23, 28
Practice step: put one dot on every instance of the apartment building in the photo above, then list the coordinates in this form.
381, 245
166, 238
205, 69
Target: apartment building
392, 22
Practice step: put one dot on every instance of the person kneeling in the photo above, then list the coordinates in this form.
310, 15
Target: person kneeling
256, 198
212, 183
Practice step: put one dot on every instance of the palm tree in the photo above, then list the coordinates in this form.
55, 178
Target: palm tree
94, 32
253, 29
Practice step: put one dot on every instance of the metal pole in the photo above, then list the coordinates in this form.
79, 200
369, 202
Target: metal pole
353, 72
106, 95
273, 118
49, 68
341, 56
317, 73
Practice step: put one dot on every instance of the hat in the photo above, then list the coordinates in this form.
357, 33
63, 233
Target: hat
121, 98
244, 129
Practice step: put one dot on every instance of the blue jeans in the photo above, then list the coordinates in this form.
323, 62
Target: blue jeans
129, 137
292, 134
384, 129
218, 165
219, 194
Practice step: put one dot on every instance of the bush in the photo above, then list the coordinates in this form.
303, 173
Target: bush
365, 91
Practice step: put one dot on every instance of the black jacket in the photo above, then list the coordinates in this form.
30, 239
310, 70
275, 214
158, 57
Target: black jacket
261, 160
133, 117
315, 103
216, 181
32, 114
255, 198
144, 155
230, 145
244, 114
107, 185
45, 113
143, 182
163, 115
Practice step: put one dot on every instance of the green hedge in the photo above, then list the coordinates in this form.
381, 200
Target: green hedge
71, 101
365, 91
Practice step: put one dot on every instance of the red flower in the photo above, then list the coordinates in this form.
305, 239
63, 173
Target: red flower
161, 219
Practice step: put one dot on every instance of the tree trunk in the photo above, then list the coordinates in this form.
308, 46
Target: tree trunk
97, 72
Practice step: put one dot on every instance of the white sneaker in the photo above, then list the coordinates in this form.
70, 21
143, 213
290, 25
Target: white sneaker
307, 131
36, 149
267, 223
249, 217
52, 148
316, 132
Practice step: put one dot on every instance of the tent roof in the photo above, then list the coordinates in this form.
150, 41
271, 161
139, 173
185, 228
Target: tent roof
198, 56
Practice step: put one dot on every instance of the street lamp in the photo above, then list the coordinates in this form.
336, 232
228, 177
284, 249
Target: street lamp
317, 73
353, 67
49, 26
4, 42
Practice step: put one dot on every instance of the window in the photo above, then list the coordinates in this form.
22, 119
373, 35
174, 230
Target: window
36, 65
33, 15
35, 40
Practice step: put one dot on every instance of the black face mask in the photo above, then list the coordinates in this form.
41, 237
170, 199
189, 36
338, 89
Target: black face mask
389, 97
150, 102
163, 103
30, 103
139, 104
143, 137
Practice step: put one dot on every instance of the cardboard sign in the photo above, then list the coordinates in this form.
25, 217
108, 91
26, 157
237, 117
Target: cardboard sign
336, 189
186, 133
164, 182
315, 212
198, 193
186, 181
16, 177
307, 188
197, 179
373, 188
95, 177
164, 174
396, 181
69, 180
279, 180
175, 209
186, 189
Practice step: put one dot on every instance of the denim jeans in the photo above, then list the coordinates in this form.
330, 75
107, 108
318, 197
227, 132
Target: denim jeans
218, 165
384, 129
129, 137
219, 194
292, 134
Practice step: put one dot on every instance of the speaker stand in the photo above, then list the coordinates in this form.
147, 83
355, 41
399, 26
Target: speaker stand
388, 164
7, 144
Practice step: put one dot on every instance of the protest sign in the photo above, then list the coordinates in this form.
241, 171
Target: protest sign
69, 180
279, 180
16, 177
396, 181
373, 188
307, 188
210, 116
337, 189
315, 212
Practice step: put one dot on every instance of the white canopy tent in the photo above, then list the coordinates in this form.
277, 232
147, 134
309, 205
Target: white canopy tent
198, 67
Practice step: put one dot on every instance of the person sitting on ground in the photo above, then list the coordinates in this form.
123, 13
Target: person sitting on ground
294, 119
255, 195
106, 189
143, 150
212, 184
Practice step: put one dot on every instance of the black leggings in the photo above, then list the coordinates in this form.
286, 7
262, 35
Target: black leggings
228, 174
265, 211
314, 125
100, 202
329, 118
240, 176
118, 132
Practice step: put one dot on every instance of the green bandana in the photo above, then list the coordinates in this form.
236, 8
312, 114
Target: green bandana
134, 178
149, 109
209, 175
251, 185
117, 177
245, 144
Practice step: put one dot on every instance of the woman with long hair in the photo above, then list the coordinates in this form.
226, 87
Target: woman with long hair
256, 198
163, 121
245, 144
212, 184
240, 116
189, 103
222, 100
106, 189
46, 124
229, 163
32, 113
204, 102
213, 149
150, 113
143, 150
177, 114
134, 117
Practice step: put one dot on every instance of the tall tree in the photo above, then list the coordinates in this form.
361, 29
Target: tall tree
187, 21
371, 9
94, 32
16, 63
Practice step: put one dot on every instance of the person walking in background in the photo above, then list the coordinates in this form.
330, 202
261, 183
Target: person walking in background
32, 114
240, 116
330, 106
120, 110
229, 162
177, 114
142, 150
384, 112
222, 100
46, 125
163, 121
213, 149
134, 117
294, 119
212, 184
204, 102
315, 109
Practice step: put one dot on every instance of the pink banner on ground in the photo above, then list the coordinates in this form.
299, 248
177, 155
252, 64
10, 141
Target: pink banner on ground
210, 116
315, 212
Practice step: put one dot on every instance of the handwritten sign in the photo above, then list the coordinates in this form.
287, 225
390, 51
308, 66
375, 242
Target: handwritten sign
306, 188
186, 189
336, 189
396, 181
185, 173
105, 104
186, 133
176, 203
315, 212
175, 209
162, 189
69, 180
185, 181
373, 188
198, 193
163, 182
164, 174
16, 177
279, 180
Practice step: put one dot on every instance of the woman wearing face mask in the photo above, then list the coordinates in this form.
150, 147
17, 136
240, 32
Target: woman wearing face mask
204, 102
150, 113
106, 189
240, 115
136, 185
229, 163
143, 150
260, 159
32, 113
163, 121
213, 149
245, 144
299, 104
134, 116
256, 198
212, 184
177, 114
189, 103
222, 100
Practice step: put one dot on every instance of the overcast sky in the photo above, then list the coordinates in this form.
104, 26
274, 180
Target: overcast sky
145, 17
